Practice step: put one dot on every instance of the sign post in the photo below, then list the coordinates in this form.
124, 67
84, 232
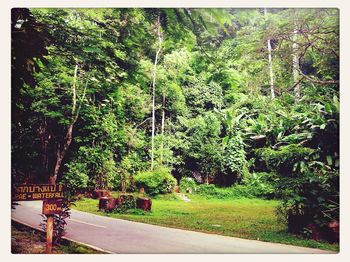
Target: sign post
52, 195
49, 234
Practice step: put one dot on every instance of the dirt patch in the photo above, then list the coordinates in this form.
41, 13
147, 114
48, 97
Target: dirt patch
26, 240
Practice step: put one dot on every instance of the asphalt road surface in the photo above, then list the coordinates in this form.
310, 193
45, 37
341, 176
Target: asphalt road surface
125, 237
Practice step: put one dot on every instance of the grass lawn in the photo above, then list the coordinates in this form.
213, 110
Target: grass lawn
244, 218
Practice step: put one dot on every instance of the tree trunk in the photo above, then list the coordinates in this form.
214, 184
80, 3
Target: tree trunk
272, 89
295, 63
45, 139
162, 129
153, 89
62, 149
74, 90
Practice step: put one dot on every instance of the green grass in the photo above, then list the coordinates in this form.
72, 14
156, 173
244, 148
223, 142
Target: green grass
244, 218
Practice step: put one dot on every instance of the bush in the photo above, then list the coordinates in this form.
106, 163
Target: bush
234, 192
121, 181
235, 157
187, 182
76, 177
308, 188
159, 181
310, 200
285, 159
252, 187
262, 184
211, 191
128, 202
123, 178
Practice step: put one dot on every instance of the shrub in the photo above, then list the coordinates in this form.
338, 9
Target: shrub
123, 178
158, 181
76, 177
308, 188
121, 181
286, 158
262, 184
127, 202
187, 182
255, 187
234, 192
310, 200
211, 191
235, 157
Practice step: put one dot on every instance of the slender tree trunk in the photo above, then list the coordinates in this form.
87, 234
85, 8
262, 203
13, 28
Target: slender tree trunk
74, 90
272, 89
153, 89
162, 129
45, 139
295, 63
62, 149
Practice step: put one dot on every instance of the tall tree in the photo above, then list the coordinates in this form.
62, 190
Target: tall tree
270, 62
295, 63
63, 147
160, 39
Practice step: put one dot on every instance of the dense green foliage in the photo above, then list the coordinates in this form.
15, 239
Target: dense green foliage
158, 181
82, 103
187, 184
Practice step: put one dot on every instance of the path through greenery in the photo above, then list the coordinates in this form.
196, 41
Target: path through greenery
124, 99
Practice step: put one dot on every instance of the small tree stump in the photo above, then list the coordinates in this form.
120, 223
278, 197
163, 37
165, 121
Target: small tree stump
102, 204
144, 203
107, 203
96, 194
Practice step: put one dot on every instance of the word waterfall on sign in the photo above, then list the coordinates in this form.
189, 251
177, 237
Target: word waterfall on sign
38, 192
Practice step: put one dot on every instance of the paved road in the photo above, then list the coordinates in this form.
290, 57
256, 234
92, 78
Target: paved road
121, 236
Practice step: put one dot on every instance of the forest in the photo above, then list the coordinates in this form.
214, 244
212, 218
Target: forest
225, 101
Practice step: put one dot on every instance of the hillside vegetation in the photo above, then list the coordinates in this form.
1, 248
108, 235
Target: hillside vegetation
239, 102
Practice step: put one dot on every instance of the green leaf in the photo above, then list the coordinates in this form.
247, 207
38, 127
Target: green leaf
329, 160
225, 140
336, 164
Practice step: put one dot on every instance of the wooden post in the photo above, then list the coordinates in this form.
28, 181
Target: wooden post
49, 234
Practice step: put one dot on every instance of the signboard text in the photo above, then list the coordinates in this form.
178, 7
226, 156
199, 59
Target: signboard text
38, 192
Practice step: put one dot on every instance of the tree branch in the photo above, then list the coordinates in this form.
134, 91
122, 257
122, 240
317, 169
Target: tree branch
318, 81
81, 102
143, 121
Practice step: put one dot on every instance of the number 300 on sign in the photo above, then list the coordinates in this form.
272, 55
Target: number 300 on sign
51, 207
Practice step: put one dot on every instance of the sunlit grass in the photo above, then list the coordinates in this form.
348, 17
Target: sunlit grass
245, 218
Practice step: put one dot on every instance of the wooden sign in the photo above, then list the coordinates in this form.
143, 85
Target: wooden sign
52, 206
53, 197
38, 192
